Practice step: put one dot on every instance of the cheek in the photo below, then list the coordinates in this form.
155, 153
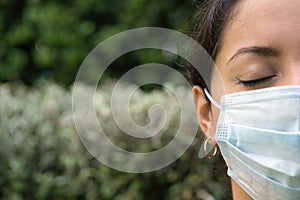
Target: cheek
215, 116
217, 91
213, 124
217, 85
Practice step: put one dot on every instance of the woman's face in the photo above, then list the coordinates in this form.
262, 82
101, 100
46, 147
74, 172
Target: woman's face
260, 48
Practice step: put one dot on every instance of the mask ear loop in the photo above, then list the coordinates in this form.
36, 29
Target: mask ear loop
211, 99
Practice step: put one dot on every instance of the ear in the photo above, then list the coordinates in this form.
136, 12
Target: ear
203, 111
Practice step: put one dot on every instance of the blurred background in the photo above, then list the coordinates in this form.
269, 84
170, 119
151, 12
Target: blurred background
48, 39
42, 45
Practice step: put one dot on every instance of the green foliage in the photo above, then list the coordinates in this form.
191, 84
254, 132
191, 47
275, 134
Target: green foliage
49, 39
43, 158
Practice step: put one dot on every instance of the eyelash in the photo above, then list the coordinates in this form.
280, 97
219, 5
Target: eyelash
255, 82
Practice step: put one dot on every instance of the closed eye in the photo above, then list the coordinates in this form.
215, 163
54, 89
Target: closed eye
255, 82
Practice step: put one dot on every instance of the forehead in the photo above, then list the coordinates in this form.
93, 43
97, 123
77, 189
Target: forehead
262, 22
267, 11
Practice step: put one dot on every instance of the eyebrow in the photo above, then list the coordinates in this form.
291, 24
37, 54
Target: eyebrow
260, 51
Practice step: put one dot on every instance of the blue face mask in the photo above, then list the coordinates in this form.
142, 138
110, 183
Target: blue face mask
258, 133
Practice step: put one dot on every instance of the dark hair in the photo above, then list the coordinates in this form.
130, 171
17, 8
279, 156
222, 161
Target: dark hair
207, 29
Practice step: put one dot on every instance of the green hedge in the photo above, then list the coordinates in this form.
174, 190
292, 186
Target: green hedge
48, 39
43, 158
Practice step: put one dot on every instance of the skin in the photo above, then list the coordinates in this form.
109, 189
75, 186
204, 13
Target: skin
260, 48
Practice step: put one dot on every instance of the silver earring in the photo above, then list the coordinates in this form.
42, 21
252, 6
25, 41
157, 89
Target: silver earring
209, 156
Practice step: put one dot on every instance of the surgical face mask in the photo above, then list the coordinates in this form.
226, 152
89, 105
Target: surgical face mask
258, 133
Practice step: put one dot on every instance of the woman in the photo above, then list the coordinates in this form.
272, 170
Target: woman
255, 119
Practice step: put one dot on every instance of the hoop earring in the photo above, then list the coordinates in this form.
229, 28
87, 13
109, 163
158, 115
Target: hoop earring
209, 156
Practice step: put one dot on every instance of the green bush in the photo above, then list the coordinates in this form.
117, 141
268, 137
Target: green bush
43, 158
49, 39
